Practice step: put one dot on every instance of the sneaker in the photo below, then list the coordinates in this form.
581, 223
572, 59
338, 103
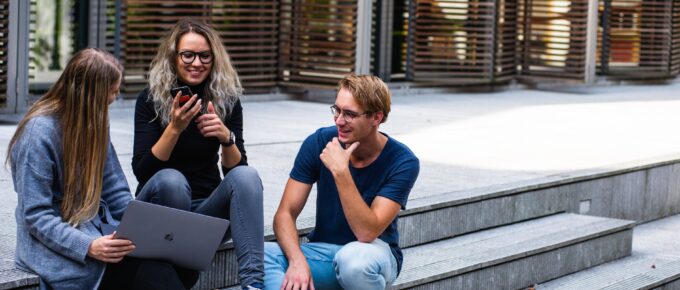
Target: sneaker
251, 288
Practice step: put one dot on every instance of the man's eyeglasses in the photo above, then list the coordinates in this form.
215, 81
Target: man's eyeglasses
348, 116
189, 56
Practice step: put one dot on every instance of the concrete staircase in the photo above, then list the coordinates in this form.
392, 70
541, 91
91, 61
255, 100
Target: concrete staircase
516, 236
458, 246
516, 256
653, 264
628, 273
511, 236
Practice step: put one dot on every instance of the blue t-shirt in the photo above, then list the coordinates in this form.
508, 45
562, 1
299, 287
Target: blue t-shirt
391, 175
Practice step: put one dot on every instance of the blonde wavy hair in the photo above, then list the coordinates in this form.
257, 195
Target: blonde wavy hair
80, 101
222, 86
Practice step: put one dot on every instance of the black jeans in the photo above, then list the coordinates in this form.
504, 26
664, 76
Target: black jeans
133, 273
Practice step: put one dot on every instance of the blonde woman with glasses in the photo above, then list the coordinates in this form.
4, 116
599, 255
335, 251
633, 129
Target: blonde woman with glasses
183, 136
71, 189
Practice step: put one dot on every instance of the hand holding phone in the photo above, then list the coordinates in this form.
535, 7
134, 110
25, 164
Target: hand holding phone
185, 108
184, 96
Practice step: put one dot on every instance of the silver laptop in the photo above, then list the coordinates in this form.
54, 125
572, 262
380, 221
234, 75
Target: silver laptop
183, 238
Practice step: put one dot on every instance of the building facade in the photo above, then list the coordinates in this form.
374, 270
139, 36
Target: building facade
287, 45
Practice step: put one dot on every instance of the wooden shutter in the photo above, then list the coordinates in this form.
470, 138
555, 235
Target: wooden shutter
248, 29
317, 42
250, 33
464, 41
4, 45
552, 35
453, 41
634, 39
505, 66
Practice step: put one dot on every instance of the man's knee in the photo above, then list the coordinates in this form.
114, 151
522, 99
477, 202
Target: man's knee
356, 258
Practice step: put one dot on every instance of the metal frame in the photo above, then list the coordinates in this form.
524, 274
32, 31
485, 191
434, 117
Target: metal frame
410, 40
17, 60
97, 24
362, 61
382, 50
605, 45
591, 42
117, 32
494, 48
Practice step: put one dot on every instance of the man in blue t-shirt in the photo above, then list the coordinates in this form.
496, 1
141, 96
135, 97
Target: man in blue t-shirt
363, 179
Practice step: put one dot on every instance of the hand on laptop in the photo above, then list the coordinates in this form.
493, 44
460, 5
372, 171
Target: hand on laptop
110, 249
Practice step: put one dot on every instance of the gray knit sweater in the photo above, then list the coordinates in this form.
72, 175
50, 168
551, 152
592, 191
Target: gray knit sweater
46, 245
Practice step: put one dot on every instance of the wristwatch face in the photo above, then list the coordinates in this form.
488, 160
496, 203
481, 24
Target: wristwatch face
232, 137
231, 140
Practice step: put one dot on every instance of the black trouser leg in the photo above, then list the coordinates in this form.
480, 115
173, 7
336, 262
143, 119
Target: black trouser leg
132, 273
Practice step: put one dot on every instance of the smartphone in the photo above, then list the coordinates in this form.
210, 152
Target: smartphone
184, 96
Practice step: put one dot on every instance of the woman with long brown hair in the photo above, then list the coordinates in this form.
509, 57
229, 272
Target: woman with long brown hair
71, 189
180, 147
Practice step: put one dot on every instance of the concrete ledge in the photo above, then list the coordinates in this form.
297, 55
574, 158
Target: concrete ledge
516, 256
629, 273
13, 278
642, 191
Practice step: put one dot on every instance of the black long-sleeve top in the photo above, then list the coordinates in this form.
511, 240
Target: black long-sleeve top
194, 156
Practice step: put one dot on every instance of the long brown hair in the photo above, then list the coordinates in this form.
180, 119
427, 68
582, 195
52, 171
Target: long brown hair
79, 100
222, 86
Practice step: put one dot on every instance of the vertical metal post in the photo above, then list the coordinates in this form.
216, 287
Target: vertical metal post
410, 40
82, 37
117, 31
494, 41
591, 42
526, 37
671, 33
604, 49
96, 23
362, 61
383, 40
17, 65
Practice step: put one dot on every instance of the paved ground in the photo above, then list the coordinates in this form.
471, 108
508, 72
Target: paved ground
464, 140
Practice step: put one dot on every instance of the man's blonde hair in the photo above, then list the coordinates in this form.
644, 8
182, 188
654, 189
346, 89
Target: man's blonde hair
370, 92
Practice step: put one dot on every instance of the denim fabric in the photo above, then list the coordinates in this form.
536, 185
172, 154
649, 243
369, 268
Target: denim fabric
352, 266
238, 198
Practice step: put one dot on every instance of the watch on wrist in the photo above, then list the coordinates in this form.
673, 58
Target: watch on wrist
231, 141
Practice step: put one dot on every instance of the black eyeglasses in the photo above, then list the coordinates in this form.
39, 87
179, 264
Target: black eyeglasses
189, 56
348, 116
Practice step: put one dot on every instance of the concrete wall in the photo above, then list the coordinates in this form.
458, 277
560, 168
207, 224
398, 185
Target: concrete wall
640, 193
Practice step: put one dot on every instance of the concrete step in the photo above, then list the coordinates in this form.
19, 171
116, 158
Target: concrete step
518, 255
532, 245
431, 219
10, 276
13, 278
631, 273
